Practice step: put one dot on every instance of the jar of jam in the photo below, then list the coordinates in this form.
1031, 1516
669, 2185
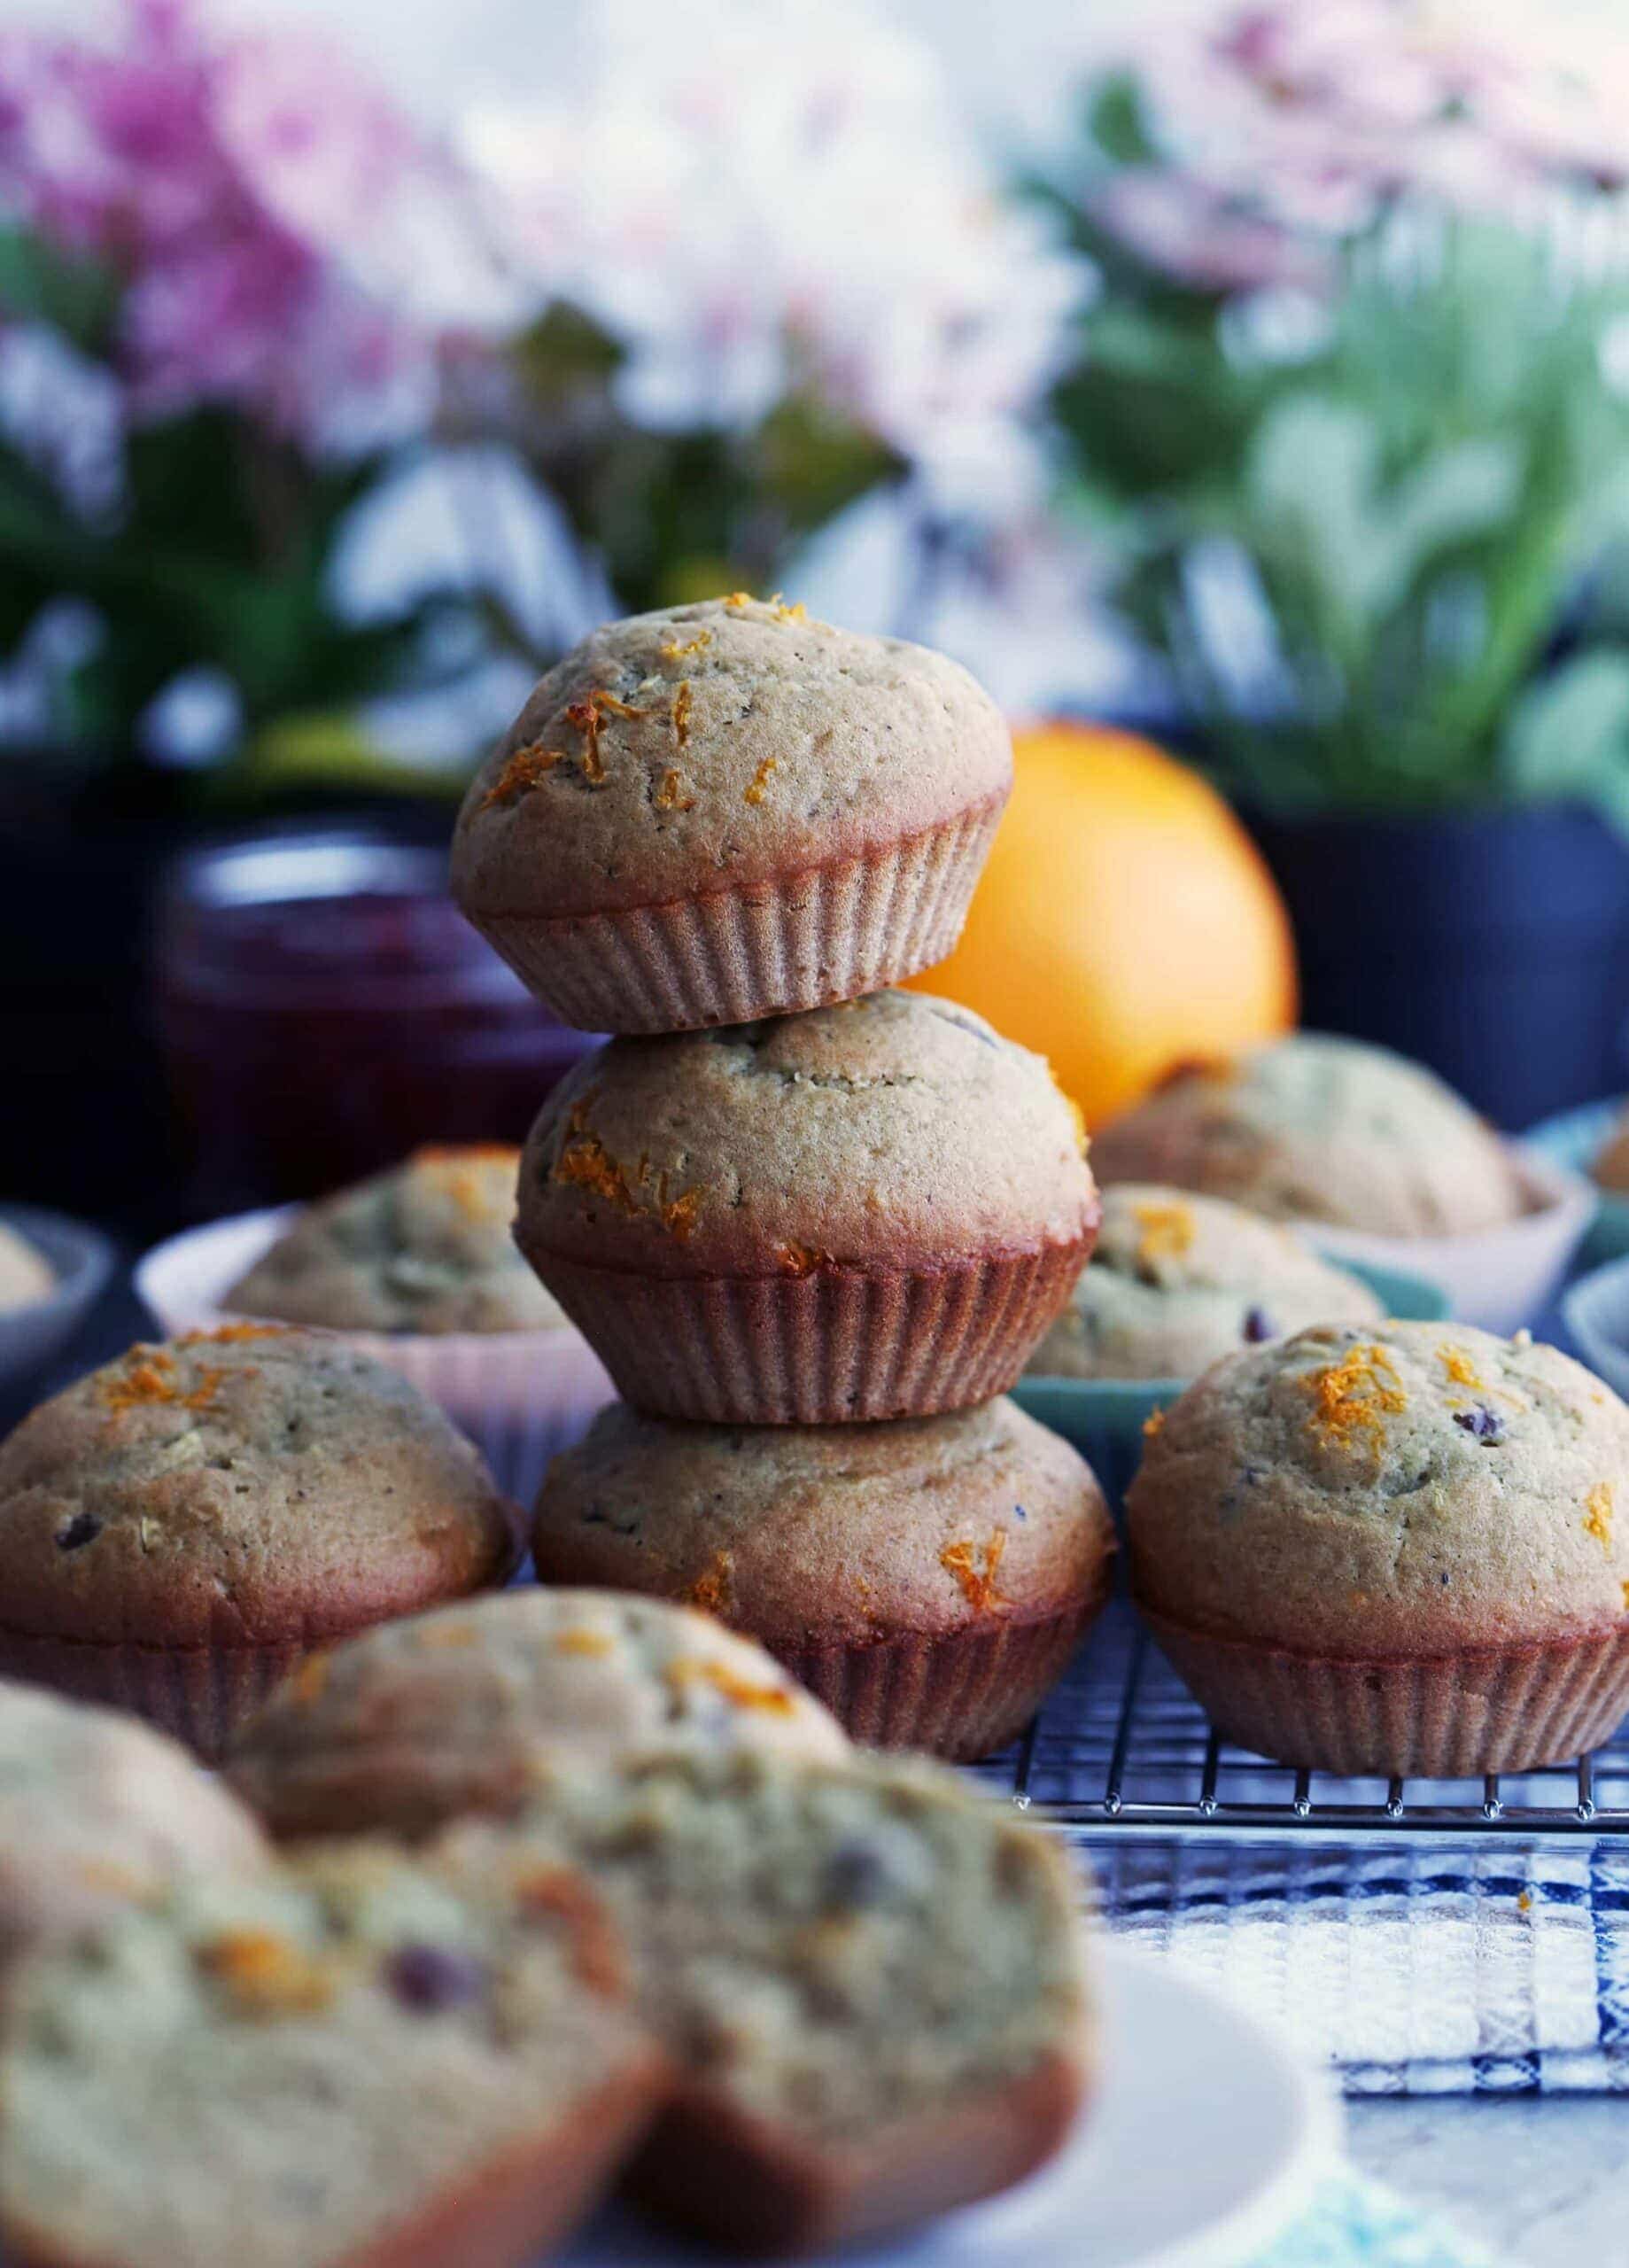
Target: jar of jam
323, 1008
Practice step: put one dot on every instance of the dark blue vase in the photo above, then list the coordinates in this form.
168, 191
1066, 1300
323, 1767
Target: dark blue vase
1493, 945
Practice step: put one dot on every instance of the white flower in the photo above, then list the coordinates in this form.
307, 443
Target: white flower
745, 198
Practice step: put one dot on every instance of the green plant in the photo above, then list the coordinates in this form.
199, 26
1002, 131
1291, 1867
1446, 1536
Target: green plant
1354, 487
215, 552
675, 512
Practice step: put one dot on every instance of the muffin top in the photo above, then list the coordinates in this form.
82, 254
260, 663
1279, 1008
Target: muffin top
1316, 1129
26, 1275
97, 1810
425, 1247
702, 747
890, 1132
415, 1722
1176, 1280
240, 1485
1405, 1488
837, 1534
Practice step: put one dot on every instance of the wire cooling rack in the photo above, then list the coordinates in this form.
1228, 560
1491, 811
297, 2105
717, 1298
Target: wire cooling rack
1121, 1749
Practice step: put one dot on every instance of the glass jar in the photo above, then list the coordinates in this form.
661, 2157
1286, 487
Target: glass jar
323, 1008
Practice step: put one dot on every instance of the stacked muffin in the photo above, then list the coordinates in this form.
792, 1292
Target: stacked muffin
785, 1197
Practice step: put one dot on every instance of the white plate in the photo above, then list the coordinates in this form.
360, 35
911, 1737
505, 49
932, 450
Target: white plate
1204, 2142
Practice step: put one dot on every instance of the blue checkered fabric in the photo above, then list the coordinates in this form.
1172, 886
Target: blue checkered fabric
1416, 1970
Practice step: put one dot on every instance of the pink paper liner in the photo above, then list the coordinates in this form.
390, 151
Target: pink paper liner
1440, 1717
962, 1695
830, 933
839, 1344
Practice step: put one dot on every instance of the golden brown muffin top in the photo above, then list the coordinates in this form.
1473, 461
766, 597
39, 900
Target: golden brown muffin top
1316, 1128
833, 1532
1176, 1280
425, 1247
1393, 1488
415, 1722
235, 1487
893, 1130
703, 747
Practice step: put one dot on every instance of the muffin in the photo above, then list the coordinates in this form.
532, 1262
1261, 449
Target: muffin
26, 1275
725, 810
1316, 1129
1403, 1548
408, 1726
927, 1580
180, 1527
1176, 1281
97, 1812
867, 1211
425, 1247
344, 2064
873, 1980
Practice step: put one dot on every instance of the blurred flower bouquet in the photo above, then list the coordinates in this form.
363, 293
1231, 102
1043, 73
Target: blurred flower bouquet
195, 386
299, 406
1351, 405
765, 275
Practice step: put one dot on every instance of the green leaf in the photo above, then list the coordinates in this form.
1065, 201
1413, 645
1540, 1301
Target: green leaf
69, 291
811, 462
1569, 734
1116, 121
564, 352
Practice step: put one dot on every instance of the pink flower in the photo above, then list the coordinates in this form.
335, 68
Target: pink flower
1176, 225
221, 180
1313, 121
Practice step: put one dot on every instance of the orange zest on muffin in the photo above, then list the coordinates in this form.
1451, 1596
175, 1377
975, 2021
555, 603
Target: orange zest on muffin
1168, 1231
1598, 1512
710, 1590
152, 1379
264, 1973
524, 769
776, 1698
961, 1559
1353, 1395
673, 651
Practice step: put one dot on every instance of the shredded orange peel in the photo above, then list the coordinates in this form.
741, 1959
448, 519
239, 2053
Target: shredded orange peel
1356, 1396
978, 1582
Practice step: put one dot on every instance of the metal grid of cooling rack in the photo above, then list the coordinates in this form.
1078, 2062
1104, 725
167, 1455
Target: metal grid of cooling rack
1121, 1749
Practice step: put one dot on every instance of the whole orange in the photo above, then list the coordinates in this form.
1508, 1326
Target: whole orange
1125, 922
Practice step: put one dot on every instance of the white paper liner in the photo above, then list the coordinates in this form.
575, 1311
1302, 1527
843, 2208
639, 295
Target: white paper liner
521, 1396
1499, 1278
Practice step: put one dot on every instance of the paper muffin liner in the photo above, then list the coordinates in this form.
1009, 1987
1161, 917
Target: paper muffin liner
962, 1695
830, 933
522, 1396
198, 1694
1440, 1717
836, 1345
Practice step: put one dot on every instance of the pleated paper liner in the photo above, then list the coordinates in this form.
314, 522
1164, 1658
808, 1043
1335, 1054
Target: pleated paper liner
199, 1695
1439, 1717
962, 1695
838, 1344
830, 933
